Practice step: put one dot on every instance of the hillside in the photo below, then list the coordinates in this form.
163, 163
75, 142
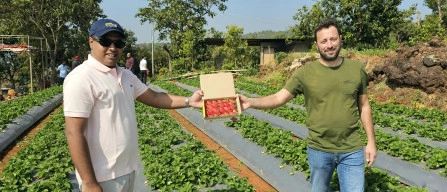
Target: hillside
269, 34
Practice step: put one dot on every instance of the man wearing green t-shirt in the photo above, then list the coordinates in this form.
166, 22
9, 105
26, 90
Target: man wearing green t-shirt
336, 99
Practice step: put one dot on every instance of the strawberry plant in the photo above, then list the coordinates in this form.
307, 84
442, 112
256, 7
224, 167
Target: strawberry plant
174, 160
435, 131
263, 134
44, 164
10, 110
438, 160
424, 114
293, 152
194, 82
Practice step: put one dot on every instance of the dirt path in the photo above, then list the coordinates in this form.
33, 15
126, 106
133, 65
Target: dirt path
234, 164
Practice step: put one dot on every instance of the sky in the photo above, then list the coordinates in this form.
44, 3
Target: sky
252, 15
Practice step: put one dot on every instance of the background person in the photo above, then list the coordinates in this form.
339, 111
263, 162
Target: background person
76, 62
335, 91
129, 63
63, 72
144, 72
100, 119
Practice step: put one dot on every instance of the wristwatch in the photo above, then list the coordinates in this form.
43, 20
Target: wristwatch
187, 101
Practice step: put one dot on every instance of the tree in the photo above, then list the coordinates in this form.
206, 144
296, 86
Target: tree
58, 22
161, 60
187, 50
234, 48
427, 29
9, 64
404, 30
438, 7
130, 47
364, 24
179, 21
307, 20
166, 48
213, 33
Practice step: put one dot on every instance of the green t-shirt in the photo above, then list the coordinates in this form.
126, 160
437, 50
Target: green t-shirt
331, 95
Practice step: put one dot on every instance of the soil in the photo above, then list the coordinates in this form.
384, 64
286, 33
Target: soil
411, 76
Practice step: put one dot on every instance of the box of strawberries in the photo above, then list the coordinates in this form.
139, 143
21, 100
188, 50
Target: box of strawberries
219, 99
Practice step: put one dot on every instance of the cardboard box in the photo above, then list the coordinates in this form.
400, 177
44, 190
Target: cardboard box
219, 96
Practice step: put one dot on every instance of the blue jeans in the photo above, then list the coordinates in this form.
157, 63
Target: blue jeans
350, 169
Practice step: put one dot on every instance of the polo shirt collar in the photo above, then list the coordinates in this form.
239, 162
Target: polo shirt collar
101, 67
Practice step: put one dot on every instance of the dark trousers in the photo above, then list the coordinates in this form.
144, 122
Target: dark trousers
61, 80
143, 76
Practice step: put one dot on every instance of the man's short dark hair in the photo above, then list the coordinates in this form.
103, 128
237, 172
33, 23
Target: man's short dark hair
326, 24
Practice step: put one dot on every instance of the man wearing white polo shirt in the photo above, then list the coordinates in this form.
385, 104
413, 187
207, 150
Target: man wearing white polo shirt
100, 117
143, 70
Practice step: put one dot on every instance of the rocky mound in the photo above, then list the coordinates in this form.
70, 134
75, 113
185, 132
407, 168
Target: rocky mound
422, 67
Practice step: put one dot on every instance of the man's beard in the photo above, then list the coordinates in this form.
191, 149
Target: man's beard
325, 57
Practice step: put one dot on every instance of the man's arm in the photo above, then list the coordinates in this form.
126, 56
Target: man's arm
268, 102
80, 155
367, 122
168, 101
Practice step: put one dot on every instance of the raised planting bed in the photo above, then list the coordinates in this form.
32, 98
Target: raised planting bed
20, 114
10, 110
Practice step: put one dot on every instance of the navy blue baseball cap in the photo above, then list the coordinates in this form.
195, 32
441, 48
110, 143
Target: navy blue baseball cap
103, 26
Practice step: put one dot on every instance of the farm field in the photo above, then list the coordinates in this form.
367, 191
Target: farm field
413, 138
402, 147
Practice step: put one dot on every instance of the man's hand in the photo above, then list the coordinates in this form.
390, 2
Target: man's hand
196, 99
370, 153
245, 103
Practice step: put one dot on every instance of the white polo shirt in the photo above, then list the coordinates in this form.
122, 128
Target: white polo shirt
106, 97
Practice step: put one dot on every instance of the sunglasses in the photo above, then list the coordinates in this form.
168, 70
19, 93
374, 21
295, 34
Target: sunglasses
106, 42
